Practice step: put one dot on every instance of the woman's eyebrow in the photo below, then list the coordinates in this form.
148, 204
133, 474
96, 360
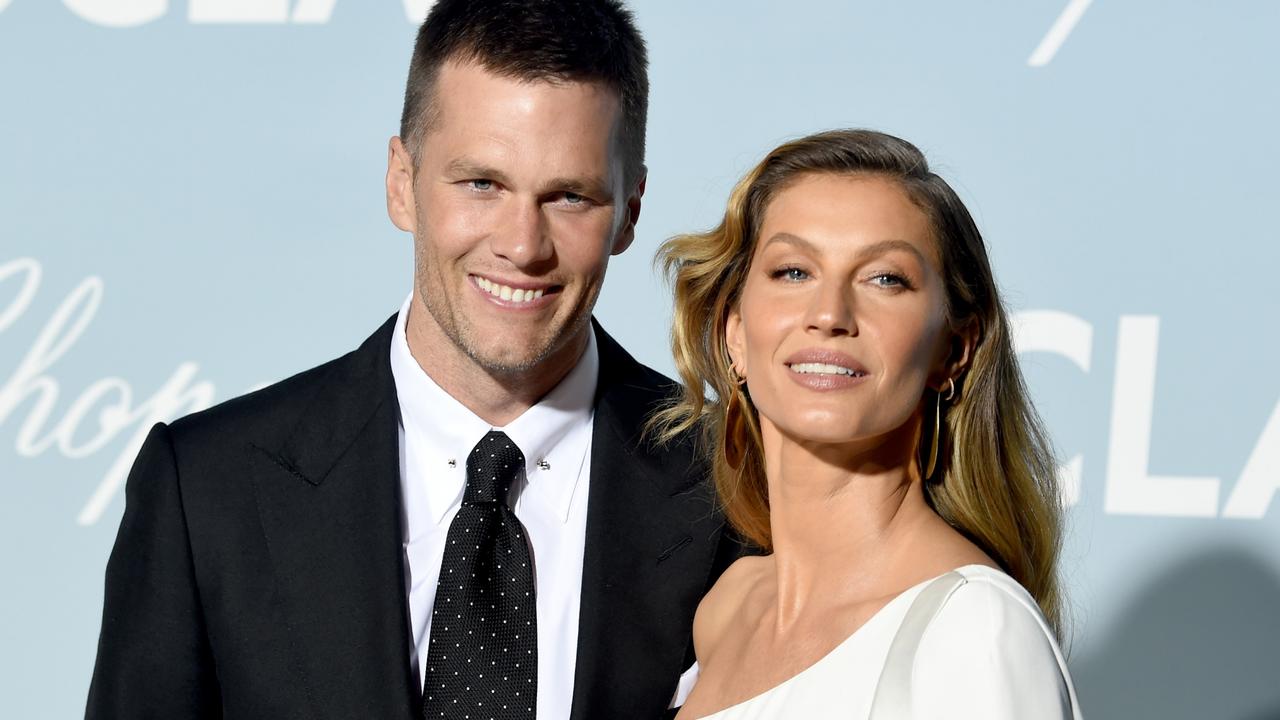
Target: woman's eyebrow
789, 239
884, 246
876, 248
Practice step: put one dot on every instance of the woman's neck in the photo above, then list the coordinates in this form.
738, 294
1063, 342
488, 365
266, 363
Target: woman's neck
842, 518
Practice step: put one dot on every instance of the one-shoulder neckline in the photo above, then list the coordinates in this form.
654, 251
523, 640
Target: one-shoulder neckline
875, 618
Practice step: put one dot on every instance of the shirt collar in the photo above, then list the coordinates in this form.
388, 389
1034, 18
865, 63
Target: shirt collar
554, 434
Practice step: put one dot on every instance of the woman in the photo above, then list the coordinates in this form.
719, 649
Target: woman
873, 435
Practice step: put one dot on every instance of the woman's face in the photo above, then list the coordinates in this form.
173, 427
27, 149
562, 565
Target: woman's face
842, 319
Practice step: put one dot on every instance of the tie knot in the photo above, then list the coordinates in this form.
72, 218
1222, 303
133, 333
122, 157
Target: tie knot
494, 463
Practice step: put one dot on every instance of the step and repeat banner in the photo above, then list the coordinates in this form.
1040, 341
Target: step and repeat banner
191, 206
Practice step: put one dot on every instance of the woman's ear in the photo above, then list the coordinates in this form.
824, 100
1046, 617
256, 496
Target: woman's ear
964, 342
736, 342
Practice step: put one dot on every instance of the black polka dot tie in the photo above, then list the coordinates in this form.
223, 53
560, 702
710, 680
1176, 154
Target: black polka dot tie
482, 661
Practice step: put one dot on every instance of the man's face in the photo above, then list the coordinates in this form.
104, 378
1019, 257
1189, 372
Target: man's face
516, 203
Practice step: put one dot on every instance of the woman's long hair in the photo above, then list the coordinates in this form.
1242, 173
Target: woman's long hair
996, 476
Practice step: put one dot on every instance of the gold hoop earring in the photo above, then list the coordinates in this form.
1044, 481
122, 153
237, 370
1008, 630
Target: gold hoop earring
735, 428
932, 465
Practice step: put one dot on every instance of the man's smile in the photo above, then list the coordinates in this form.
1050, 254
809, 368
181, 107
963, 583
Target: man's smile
516, 294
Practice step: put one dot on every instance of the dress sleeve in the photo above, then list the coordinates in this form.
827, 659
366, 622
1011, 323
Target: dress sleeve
989, 655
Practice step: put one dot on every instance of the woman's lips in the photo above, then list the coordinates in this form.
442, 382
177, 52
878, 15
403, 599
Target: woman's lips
825, 369
825, 376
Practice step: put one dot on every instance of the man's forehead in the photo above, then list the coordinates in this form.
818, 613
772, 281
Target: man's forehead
463, 74
479, 108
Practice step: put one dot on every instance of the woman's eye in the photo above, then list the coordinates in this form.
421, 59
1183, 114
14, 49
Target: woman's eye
889, 280
792, 274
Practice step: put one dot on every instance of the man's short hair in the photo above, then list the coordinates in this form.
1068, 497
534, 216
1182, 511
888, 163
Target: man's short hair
563, 40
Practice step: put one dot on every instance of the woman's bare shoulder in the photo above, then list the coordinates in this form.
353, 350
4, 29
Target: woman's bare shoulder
726, 601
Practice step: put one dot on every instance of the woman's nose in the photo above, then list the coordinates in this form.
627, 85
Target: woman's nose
831, 310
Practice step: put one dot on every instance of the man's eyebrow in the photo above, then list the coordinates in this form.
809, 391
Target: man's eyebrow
467, 168
585, 185
876, 248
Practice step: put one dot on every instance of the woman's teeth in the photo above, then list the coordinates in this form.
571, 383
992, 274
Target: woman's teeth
507, 293
824, 369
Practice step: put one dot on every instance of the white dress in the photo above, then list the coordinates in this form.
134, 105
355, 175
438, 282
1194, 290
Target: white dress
987, 654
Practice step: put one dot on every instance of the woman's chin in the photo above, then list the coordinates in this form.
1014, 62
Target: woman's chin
837, 433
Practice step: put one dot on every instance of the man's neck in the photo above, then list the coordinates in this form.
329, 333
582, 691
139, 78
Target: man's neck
496, 398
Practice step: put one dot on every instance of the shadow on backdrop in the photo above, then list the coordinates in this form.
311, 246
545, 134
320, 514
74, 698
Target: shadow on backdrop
1200, 642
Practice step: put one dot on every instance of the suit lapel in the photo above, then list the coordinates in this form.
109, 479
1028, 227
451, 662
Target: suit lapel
329, 500
330, 506
651, 538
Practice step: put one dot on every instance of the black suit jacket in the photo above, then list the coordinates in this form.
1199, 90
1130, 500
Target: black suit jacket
259, 567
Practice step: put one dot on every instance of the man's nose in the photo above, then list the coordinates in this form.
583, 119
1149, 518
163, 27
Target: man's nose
523, 236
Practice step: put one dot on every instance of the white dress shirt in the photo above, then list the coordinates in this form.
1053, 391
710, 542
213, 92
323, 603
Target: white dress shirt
436, 434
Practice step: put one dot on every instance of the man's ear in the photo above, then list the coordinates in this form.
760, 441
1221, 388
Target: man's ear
401, 206
627, 233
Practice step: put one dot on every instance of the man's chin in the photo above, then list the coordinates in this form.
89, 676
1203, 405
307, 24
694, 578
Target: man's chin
516, 357
507, 366
503, 352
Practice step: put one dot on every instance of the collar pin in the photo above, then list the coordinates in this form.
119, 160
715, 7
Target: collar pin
544, 465
453, 463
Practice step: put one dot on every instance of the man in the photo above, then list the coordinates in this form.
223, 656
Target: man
465, 502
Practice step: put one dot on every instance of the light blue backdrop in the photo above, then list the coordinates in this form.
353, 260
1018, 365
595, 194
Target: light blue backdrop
191, 205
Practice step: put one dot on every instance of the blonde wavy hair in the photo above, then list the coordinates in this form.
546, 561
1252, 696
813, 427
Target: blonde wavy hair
996, 476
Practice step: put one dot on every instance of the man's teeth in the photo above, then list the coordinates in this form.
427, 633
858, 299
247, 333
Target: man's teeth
507, 293
823, 369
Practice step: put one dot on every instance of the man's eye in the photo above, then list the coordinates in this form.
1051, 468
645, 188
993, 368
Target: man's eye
574, 198
793, 274
483, 185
